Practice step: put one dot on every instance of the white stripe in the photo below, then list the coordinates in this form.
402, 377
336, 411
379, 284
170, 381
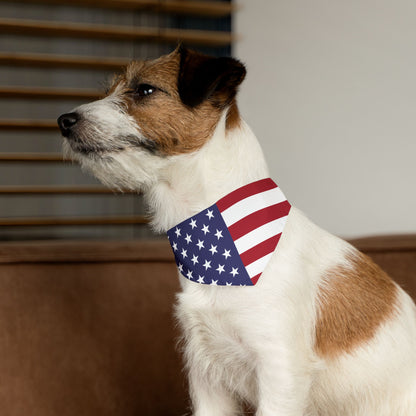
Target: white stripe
260, 234
252, 204
258, 266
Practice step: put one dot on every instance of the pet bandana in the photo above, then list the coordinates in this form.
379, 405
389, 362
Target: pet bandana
231, 242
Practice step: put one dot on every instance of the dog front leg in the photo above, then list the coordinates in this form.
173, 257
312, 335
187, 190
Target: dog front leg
283, 386
209, 399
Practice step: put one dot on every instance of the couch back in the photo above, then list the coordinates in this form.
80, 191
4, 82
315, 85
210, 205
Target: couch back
86, 328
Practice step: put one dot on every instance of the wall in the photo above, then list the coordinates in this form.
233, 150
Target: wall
331, 95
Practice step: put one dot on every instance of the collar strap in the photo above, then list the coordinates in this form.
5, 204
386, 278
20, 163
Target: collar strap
231, 242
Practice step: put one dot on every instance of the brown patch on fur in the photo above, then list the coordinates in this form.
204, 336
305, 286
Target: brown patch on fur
233, 116
162, 117
164, 120
354, 301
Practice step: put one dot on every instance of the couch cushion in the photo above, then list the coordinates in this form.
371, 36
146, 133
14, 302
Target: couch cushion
86, 328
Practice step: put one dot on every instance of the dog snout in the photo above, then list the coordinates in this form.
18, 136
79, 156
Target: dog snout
66, 123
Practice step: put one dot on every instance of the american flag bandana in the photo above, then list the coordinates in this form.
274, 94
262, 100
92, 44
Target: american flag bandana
231, 242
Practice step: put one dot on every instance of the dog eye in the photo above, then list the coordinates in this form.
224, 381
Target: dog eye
144, 90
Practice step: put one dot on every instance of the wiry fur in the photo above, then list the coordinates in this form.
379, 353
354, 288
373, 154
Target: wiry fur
258, 344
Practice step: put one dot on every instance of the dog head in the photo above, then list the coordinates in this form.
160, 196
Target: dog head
154, 110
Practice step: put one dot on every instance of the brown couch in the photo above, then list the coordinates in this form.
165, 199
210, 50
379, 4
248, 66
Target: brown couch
86, 328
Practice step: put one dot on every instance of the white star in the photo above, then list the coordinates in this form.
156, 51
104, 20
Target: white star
200, 279
200, 244
229, 284
207, 265
180, 267
184, 253
194, 259
213, 249
177, 232
209, 214
193, 223
226, 254
220, 268
189, 274
218, 234
174, 246
188, 238
234, 271
205, 229
214, 282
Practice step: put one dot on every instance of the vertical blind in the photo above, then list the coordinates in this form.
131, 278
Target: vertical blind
55, 55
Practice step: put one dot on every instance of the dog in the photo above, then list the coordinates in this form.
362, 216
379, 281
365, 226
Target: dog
324, 331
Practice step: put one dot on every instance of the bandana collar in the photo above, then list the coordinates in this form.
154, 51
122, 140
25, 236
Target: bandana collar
231, 242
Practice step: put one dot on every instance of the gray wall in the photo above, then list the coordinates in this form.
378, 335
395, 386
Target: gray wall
331, 95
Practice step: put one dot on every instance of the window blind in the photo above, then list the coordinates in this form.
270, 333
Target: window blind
55, 55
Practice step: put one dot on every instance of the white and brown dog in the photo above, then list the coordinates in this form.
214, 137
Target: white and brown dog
324, 331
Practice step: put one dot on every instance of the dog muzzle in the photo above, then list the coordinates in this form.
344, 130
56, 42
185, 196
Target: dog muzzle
231, 242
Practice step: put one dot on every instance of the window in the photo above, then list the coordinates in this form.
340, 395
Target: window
55, 55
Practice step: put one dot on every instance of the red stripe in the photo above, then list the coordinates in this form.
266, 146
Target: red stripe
244, 192
255, 278
258, 218
260, 250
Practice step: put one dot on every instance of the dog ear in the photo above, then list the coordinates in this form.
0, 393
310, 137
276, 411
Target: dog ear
202, 77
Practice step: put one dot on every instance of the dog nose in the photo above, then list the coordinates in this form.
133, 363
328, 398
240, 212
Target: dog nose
66, 122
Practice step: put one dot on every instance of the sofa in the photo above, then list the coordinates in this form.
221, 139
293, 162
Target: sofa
86, 327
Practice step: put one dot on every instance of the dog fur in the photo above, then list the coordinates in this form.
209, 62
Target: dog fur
324, 332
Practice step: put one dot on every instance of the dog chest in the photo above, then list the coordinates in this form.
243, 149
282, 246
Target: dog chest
215, 348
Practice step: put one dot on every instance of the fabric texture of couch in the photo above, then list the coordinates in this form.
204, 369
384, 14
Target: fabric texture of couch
86, 328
